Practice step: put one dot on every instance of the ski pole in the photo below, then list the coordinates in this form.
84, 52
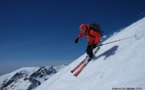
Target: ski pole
117, 40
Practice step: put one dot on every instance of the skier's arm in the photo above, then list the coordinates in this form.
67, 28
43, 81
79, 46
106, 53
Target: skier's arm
79, 36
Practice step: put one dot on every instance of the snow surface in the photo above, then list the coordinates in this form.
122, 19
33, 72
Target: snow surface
117, 65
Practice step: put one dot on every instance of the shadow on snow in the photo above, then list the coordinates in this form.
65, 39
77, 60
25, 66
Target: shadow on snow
108, 53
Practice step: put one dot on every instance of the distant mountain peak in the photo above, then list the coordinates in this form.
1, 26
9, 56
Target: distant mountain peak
26, 79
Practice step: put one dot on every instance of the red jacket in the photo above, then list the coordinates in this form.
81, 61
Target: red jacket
92, 36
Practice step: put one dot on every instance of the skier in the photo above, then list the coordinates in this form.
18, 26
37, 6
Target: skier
93, 38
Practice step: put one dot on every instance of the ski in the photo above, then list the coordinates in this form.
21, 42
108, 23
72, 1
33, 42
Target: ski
78, 65
83, 64
80, 70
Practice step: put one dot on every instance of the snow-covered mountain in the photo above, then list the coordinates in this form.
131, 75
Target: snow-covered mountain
28, 78
117, 66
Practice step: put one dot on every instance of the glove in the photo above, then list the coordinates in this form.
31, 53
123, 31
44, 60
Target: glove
76, 41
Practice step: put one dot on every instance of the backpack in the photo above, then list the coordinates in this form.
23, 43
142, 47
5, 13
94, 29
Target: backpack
96, 28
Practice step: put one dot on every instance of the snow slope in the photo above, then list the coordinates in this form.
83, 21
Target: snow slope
118, 65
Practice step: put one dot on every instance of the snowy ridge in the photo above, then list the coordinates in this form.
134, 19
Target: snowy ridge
27, 70
27, 78
118, 65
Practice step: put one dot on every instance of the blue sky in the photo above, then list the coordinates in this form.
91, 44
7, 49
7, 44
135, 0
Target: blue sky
42, 32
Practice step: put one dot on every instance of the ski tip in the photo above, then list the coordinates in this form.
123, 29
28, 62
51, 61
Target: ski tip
71, 71
75, 75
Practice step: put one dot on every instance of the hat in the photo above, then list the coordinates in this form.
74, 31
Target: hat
83, 27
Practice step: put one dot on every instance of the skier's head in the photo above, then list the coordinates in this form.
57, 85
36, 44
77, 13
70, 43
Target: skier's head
84, 27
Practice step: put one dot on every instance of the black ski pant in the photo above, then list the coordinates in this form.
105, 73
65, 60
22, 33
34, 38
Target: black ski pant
89, 50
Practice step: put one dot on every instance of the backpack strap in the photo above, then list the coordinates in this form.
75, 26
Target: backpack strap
91, 35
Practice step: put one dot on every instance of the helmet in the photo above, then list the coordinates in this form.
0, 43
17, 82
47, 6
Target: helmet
83, 27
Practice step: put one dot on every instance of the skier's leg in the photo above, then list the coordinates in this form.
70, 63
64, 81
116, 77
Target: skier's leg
89, 51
